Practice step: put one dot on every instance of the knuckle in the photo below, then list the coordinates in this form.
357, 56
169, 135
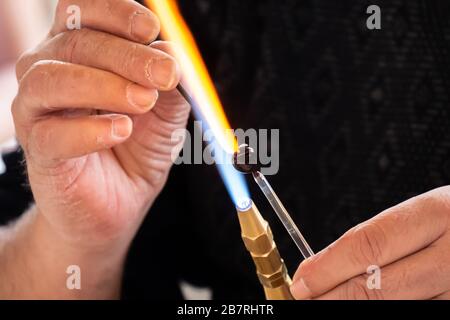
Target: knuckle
23, 63
367, 242
68, 43
34, 77
38, 79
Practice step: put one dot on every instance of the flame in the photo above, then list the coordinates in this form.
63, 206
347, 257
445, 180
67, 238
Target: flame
198, 82
195, 73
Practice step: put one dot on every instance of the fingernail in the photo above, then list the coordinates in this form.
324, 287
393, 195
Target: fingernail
141, 97
163, 73
144, 27
300, 290
121, 126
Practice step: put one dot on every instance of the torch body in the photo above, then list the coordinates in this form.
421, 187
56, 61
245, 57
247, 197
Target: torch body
270, 267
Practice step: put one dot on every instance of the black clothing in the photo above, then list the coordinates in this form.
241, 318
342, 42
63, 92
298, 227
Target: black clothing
364, 123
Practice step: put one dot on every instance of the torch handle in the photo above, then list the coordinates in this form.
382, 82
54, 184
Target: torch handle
270, 268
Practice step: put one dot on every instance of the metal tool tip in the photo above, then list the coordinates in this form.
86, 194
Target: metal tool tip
243, 204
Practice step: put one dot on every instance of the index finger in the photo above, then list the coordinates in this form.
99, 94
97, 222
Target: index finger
125, 18
393, 234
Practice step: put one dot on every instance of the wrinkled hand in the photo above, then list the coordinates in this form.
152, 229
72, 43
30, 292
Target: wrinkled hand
94, 114
410, 243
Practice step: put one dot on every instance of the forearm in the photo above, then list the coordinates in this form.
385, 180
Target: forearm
34, 262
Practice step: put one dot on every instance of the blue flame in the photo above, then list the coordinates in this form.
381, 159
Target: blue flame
234, 181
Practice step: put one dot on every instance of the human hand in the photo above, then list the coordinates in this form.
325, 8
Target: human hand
409, 243
95, 113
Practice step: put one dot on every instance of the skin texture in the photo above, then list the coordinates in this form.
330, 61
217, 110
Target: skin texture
95, 113
409, 243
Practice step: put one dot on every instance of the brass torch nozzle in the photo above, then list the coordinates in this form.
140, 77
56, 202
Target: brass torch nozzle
270, 267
